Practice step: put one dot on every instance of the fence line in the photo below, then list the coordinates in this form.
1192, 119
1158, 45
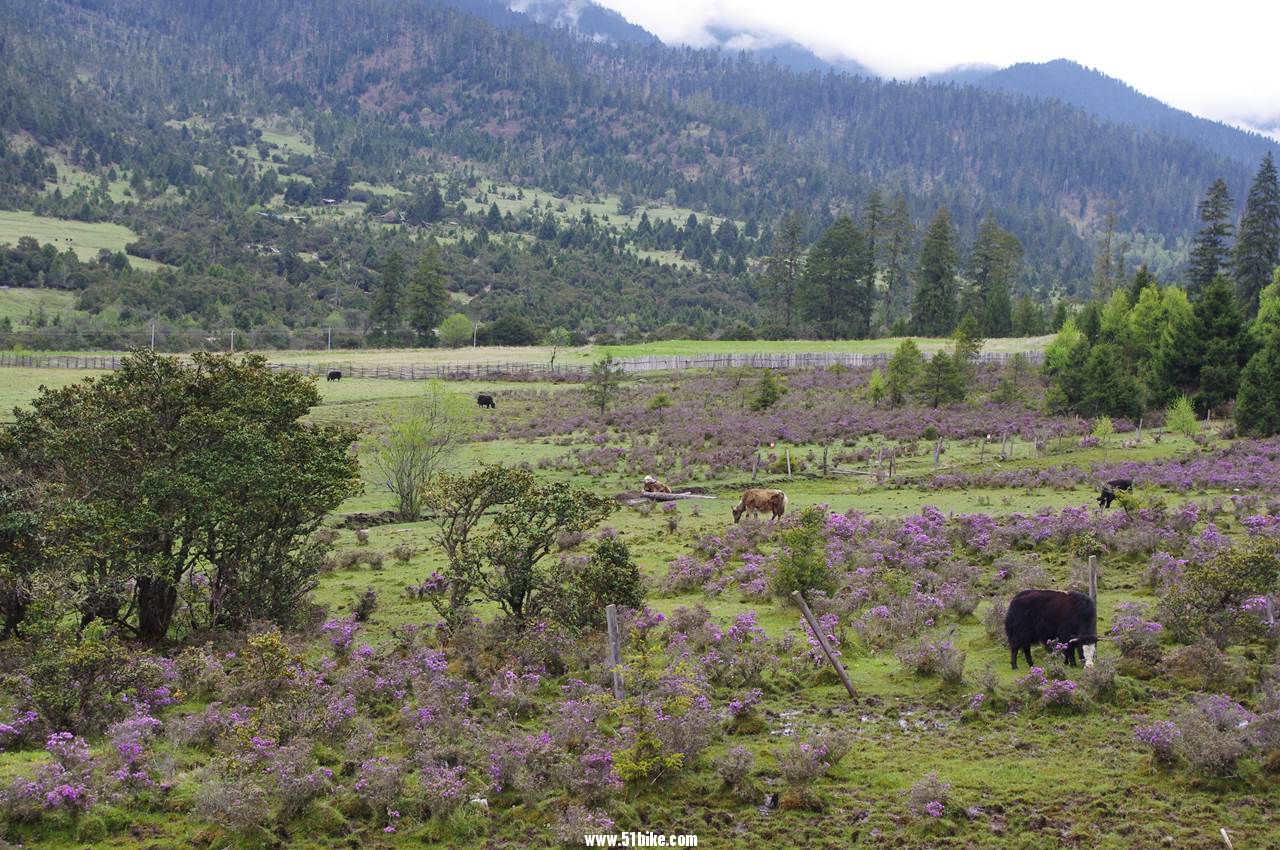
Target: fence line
528, 371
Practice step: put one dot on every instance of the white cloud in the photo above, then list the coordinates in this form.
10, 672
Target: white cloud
1217, 61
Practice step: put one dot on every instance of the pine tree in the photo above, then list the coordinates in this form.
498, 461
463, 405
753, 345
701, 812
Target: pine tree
941, 381
1258, 402
1221, 331
1210, 253
1110, 388
1258, 246
1175, 368
384, 314
896, 248
903, 371
1028, 318
786, 265
934, 311
996, 256
837, 286
426, 299
968, 344
1268, 319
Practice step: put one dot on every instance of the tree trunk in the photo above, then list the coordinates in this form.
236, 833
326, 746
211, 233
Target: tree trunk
157, 600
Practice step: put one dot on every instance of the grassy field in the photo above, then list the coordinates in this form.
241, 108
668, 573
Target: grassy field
20, 305
1022, 778
588, 354
85, 238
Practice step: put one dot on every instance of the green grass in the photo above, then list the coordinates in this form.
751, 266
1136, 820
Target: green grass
1041, 781
18, 305
85, 238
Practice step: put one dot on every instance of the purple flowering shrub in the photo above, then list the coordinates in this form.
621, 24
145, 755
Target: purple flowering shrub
1224, 597
1134, 635
1214, 734
928, 797
1047, 692
1162, 738
63, 784
933, 658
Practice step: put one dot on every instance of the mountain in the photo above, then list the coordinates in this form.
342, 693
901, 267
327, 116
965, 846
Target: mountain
573, 169
587, 19
1114, 100
767, 47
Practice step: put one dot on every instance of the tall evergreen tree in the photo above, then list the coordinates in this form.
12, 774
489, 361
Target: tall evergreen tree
384, 314
896, 249
837, 286
1221, 332
786, 265
1258, 402
1258, 246
426, 300
1175, 368
994, 264
941, 381
1210, 253
934, 310
1110, 389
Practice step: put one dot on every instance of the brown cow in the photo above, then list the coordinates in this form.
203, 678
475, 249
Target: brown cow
653, 485
757, 501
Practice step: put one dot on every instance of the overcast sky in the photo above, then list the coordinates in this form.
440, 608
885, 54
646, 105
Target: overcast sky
1220, 60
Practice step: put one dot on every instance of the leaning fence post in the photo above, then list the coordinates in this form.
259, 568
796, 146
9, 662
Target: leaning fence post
615, 649
822, 642
1093, 579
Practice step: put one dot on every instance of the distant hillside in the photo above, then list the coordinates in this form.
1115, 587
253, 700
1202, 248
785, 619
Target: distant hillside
575, 171
1117, 101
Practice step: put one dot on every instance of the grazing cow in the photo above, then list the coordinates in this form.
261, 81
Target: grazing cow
486, 400
1108, 493
653, 485
335, 375
757, 501
1041, 616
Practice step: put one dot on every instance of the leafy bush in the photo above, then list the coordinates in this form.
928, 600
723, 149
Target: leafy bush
934, 658
801, 560
1214, 733
929, 796
767, 392
609, 576
1217, 598
1181, 417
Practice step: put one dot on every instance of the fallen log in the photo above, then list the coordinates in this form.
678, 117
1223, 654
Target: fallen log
636, 497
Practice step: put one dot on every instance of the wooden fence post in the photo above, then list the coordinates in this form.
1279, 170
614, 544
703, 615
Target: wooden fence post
755, 464
822, 642
788, 462
1093, 579
615, 649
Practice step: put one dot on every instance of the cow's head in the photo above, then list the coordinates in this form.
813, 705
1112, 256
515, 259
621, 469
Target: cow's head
738, 510
1088, 645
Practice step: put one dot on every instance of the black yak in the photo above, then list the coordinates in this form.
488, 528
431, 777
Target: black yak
486, 400
1041, 616
335, 375
1108, 493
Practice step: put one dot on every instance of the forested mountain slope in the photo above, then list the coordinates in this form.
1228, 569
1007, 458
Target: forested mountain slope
171, 97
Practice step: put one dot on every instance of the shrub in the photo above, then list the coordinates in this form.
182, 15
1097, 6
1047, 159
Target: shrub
1099, 681
993, 622
1162, 737
1214, 734
609, 576
366, 603
801, 559
934, 658
1181, 417
233, 804
403, 552
1135, 636
735, 766
362, 536
803, 762
929, 796
767, 392
1203, 666
1216, 597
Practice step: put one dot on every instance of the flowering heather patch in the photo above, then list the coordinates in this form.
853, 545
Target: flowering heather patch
934, 658
929, 796
693, 436
1162, 737
1247, 465
18, 730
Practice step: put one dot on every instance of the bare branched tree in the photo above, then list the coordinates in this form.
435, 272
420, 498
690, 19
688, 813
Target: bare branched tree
416, 444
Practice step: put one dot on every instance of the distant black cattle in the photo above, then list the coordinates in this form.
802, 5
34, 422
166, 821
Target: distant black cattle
335, 375
1041, 616
1108, 493
486, 400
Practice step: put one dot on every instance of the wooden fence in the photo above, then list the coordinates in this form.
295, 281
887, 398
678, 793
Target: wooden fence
524, 371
